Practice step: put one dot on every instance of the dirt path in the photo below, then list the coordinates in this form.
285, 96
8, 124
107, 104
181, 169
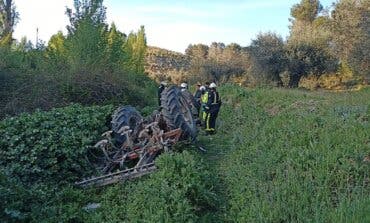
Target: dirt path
217, 150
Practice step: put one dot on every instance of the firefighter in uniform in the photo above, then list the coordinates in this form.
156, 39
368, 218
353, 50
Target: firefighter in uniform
203, 99
212, 107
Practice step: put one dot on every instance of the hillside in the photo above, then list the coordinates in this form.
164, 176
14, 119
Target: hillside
162, 64
279, 156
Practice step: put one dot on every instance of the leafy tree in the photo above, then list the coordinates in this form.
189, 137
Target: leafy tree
8, 19
86, 42
215, 51
268, 52
92, 10
308, 59
350, 27
310, 24
56, 52
197, 51
309, 43
306, 10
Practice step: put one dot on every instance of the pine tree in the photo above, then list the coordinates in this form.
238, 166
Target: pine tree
135, 49
8, 19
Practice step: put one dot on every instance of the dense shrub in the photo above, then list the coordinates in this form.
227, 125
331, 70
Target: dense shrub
43, 202
308, 59
269, 59
93, 64
51, 145
180, 191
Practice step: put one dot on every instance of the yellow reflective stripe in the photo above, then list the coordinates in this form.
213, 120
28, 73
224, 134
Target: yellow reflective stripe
204, 116
208, 119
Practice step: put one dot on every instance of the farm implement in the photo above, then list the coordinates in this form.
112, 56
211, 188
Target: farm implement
129, 149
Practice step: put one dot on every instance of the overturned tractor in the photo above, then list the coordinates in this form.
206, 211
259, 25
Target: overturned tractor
128, 150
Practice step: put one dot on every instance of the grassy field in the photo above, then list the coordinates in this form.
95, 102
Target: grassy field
292, 156
278, 156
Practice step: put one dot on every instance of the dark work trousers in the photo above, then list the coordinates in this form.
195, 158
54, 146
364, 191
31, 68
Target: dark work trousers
211, 120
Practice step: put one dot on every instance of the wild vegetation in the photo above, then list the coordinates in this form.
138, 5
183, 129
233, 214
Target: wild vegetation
93, 64
324, 45
284, 155
279, 155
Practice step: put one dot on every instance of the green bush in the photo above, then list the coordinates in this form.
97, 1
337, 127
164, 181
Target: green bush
180, 191
51, 145
43, 202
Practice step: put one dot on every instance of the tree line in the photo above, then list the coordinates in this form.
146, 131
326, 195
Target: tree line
94, 63
321, 41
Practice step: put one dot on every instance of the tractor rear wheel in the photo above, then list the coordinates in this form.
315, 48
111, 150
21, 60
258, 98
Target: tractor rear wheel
177, 112
124, 116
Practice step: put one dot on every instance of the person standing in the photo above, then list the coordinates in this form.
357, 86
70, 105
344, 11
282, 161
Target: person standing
161, 88
190, 100
212, 108
207, 85
197, 96
204, 100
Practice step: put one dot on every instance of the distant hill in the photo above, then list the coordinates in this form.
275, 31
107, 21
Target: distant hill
162, 64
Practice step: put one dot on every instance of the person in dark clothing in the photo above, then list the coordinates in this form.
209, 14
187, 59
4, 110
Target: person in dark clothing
161, 88
207, 86
197, 96
212, 107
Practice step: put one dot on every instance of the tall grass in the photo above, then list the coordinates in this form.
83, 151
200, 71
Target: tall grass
295, 156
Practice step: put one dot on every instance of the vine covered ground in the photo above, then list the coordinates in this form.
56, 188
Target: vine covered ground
278, 156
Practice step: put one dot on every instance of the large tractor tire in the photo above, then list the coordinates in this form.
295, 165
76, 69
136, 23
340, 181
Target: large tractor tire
124, 116
177, 113
191, 101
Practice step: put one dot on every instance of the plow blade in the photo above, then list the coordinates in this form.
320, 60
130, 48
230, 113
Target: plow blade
118, 176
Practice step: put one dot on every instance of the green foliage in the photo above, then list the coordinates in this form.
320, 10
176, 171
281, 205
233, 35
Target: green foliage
92, 11
56, 53
51, 145
90, 65
116, 41
178, 192
86, 47
295, 156
308, 59
268, 54
42, 202
8, 19
350, 32
281, 156
135, 48
306, 10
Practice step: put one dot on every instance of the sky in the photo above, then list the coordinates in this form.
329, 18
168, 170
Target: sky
169, 24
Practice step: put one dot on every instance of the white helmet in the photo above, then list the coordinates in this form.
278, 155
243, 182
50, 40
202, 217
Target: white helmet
164, 83
212, 85
202, 88
184, 85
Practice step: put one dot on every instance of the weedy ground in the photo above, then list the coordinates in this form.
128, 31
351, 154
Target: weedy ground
278, 156
292, 156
